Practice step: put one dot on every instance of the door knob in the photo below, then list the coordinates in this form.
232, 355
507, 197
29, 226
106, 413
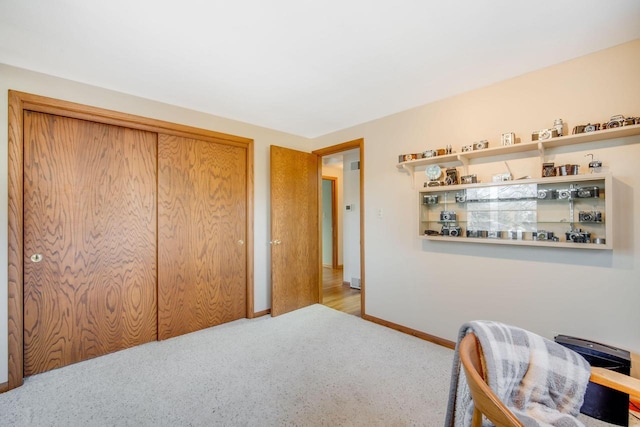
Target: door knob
241, 242
36, 258
275, 242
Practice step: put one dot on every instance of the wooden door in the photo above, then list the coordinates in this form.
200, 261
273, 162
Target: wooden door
89, 240
295, 262
202, 217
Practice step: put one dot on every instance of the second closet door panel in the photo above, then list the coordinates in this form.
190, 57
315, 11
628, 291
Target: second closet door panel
201, 234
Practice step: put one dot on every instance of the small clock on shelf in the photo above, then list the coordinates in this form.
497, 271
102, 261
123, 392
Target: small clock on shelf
433, 172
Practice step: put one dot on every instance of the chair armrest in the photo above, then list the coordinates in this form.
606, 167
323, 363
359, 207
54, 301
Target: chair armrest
616, 381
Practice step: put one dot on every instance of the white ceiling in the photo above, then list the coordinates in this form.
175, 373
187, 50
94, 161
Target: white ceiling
301, 66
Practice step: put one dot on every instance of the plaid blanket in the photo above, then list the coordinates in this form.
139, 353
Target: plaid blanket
540, 381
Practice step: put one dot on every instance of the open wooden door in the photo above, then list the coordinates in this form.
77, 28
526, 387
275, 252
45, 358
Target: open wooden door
295, 262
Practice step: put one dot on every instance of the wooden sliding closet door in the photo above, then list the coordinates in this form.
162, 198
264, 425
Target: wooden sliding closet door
89, 240
202, 211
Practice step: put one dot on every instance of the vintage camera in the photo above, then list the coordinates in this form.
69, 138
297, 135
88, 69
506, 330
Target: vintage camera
429, 153
409, 157
430, 199
578, 236
544, 134
451, 177
567, 194
448, 216
546, 194
466, 148
477, 233
461, 197
481, 145
516, 234
586, 128
548, 169
469, 179
590, 216
542, 235
452, 230
494, 235
587, 192
619, 120
508, 138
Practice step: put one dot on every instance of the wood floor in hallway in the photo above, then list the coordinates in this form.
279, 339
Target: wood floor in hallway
337, 295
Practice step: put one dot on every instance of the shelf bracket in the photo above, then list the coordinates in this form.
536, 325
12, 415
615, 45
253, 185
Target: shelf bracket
465, 164
410, 169
541, 154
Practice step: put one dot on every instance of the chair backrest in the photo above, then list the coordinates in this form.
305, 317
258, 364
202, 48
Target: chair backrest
484, 399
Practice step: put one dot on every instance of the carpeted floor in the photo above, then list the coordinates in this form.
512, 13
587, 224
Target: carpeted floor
312, 367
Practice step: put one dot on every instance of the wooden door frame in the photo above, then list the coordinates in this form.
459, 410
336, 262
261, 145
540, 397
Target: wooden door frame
334, 221
18, 103
334, 149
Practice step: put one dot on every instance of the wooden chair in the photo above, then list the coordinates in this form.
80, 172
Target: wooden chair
487, 403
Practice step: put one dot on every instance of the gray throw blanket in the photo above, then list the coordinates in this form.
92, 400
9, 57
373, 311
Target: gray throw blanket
540, 381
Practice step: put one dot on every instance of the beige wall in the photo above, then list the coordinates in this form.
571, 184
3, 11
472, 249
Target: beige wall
436, 286
26, 81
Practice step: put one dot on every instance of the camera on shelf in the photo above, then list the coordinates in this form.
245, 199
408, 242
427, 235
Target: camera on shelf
409, 157
448, 216
452, 230
451, 176
590, 216
586, 128
477, 233
481, 145
544, 134
618, 121
542, 235
567, 194
430, 199
466, 148
578, 236
461, 197
469, 179
588, 192
429, 153
546, 194
516, 234
554, 131
508, 138
494, 235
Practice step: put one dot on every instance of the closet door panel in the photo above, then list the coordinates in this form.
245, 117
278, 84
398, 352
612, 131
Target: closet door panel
201, 233
89, 240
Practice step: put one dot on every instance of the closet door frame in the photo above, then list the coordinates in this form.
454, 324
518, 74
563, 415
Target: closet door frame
18, 103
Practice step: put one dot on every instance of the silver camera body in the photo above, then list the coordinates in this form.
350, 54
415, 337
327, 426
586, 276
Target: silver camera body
542, 235
467, 148
588, 192
452, 230
461, 197
578, 236
481, 145
430, 199
508, 138
590, 216
469, 179
544, 134
448, 216
546, 194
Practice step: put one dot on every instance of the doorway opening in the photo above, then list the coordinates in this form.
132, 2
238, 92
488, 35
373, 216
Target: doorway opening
341, 226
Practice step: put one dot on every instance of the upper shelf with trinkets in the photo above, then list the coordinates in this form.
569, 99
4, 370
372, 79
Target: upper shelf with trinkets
417, 161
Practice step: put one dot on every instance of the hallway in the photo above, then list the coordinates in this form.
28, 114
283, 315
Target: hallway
337, 295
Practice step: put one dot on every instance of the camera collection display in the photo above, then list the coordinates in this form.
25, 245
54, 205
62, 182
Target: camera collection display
565, 203
509, 138
519, 219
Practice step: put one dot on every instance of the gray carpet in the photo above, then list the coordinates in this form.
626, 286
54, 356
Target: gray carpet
312, 367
